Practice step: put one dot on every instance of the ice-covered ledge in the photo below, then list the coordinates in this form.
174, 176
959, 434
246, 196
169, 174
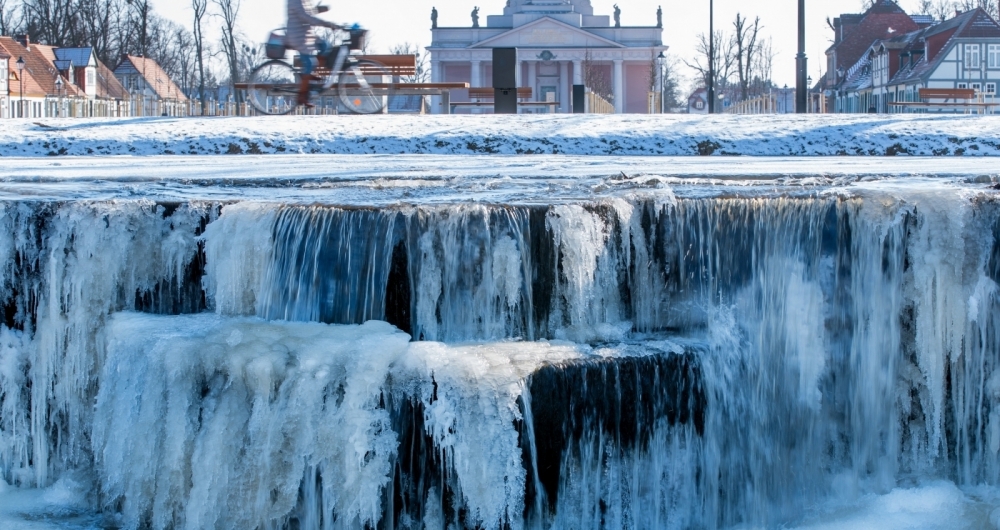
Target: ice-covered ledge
581, 135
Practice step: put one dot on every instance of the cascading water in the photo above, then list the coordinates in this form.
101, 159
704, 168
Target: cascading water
642, 361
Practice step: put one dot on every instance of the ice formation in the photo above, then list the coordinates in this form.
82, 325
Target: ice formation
649, 361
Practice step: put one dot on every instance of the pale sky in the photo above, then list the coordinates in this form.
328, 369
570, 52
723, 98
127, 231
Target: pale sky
397, 21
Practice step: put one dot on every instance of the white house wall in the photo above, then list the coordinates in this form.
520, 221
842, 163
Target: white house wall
4, 76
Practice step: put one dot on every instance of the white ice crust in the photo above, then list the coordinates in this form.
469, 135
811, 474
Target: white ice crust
588, 135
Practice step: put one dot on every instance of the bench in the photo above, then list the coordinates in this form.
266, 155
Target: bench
523, 92
398, 65
957, 98
965, 94
483, 97
400, 89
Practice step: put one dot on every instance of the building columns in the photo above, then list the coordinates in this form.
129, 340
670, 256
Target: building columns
619, 86
532, 79
564, 81
577, 72
476, 79
436, 77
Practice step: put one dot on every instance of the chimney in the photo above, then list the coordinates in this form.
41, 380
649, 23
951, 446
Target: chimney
23, 40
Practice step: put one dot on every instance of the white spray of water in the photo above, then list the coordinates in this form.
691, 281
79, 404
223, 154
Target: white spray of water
587, 305
471, 270
428, 289
471, 414
239, 248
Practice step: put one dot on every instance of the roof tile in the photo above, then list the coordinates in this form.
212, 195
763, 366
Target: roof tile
156, 78
39, 73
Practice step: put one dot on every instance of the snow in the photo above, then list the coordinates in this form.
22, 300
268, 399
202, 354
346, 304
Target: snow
678, 135
931, 506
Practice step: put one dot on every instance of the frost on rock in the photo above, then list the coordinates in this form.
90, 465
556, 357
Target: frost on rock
204, 422
79, 262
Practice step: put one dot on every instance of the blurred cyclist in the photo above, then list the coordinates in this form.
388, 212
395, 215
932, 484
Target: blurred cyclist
299, 36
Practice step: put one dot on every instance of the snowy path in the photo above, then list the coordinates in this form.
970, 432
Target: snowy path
629, 135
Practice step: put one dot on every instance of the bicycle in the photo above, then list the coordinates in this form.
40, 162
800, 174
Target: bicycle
273, 86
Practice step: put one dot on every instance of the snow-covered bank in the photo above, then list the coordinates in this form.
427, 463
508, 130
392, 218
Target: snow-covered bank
678, 135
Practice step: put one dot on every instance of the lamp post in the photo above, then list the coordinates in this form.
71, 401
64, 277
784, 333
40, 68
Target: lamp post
711, 56
800, 63
809, 83
59, 86
661, 62
20, 79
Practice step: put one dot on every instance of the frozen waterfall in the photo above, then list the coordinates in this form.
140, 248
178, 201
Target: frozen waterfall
651, 360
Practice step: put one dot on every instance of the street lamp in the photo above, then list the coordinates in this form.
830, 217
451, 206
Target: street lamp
661, 62
20, 79
809, 84
59, 86
711, 56
800, 63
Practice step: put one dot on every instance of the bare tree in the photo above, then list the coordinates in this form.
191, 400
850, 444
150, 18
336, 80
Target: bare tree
745, 39
229, 10
597, 76
51, 21
665, 70
140, 11
924, 7
421, 73
200, 7
99, 20
990, 6
10, 22
725, 59
942, 10
765, 66
249, 56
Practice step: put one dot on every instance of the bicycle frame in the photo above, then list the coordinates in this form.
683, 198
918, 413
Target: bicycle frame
338, 67
344, 56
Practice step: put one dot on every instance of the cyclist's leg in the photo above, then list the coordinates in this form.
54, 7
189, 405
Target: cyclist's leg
327, 53
308, 66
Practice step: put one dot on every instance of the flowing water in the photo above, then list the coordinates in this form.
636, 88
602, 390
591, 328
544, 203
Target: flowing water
620, 352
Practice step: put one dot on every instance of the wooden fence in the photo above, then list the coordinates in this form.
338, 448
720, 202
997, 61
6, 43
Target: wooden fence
767, 104
55, 107
598, 105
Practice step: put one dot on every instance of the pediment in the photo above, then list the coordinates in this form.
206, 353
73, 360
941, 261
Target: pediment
547, 33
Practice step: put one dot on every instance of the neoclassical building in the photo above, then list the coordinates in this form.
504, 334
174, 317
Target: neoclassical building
560, 43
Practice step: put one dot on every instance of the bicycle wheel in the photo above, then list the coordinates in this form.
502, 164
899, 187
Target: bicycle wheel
365, 86
273, 87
